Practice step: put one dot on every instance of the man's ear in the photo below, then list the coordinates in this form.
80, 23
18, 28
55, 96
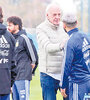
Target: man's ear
17, 27
47, 15
64, 26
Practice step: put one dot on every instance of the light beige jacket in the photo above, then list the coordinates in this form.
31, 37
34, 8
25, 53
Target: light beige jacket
51, 40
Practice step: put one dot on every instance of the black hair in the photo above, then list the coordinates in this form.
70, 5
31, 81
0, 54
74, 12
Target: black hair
16, 21
1, 15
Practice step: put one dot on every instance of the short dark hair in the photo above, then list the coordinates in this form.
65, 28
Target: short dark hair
73, 24
16, 21
1, 15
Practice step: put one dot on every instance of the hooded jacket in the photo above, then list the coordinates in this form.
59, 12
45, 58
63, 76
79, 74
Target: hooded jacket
23, 56
7, 44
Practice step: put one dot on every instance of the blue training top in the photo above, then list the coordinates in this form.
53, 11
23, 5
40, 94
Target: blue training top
76, 64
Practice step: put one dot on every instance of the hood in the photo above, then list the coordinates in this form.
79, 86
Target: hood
19, 33
2, 29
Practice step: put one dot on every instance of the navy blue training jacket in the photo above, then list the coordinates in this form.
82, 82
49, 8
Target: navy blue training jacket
76, 64
7, 44
23, 56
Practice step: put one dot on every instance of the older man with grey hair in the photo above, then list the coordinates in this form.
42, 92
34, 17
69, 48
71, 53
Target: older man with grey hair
51, 40
76, 62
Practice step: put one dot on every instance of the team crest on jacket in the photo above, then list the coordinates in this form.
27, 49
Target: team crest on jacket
17, 43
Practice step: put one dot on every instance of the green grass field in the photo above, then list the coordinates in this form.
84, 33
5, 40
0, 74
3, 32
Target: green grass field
35, 89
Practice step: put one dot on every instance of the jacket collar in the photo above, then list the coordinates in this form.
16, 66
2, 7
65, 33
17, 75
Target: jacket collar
54, 27
19, 33
72, 31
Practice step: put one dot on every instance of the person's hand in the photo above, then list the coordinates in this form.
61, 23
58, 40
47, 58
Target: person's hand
63, 92
62, 45
33, 65
11, 90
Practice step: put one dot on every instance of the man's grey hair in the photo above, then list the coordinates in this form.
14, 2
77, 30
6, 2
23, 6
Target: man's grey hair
70, 19
51, 5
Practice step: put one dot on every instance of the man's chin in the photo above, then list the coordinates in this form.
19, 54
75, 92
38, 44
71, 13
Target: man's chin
56, 24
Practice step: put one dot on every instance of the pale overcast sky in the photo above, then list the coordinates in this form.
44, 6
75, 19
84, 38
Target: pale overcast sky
66, 5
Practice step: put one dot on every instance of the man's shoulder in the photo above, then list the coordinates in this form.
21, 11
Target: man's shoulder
42, 25
9, 35
25, 37
74, 39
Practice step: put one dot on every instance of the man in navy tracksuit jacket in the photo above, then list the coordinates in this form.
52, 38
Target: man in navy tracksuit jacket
76, 64
25, 58
7, 44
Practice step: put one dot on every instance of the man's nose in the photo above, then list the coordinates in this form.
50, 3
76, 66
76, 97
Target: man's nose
57, 16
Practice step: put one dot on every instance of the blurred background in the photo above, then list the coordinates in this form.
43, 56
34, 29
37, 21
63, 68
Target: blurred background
32, 12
